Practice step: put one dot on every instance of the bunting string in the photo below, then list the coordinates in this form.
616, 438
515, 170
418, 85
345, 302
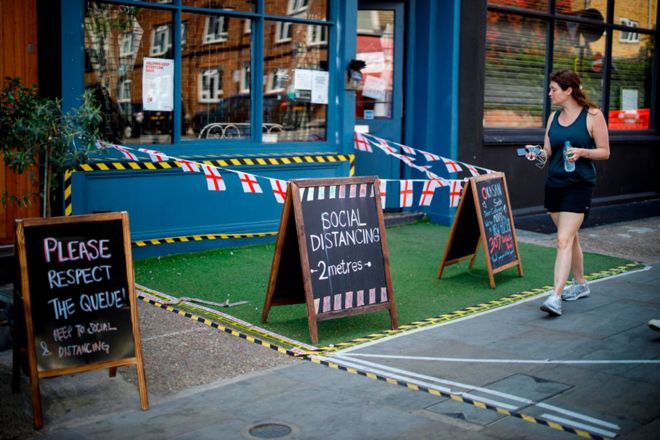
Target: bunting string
250, 183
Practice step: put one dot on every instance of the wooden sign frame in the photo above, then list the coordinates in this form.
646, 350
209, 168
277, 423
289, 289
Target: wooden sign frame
293, 203
35, 374
469, 209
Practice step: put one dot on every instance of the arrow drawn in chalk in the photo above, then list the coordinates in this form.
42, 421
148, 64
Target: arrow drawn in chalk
368, 264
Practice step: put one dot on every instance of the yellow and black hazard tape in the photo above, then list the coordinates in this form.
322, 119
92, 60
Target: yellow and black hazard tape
458, 398
199, 237
229, 161
223, 328
511, 299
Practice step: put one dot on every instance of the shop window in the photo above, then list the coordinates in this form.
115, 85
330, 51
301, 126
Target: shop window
215, 91
523, 47
210, 85
300, 109
216, 29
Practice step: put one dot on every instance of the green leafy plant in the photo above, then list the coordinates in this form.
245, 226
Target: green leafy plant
36, 134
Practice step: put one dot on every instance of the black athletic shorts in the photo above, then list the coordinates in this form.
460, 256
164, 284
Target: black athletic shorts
571, 198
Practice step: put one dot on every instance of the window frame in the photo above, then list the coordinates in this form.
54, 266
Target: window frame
626, 36
167, 43
514, 136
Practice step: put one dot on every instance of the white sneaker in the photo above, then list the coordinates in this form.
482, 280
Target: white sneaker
575, 291
654, 324
552, 305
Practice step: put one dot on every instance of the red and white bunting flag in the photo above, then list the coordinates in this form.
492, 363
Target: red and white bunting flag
405, 159
408, 150
427, 192
214, 181
455, 193
155, 156
429, 156
452, 166
249, 182
279, 189
406, 193
422, 168
387, 148
361, 143
471, 169
440, 181
382, 192
125, 151
188, 166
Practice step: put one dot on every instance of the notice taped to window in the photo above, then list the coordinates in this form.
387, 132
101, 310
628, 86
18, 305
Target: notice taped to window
158, 84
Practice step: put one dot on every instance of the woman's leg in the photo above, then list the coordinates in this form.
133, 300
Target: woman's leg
577, 260
568, 224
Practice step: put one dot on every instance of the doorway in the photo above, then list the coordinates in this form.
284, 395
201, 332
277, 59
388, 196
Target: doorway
379, 98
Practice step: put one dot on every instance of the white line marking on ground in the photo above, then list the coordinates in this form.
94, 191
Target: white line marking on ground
344, 363
167, 335
404, 373
506, 361
571, 414
454, 321
578, 425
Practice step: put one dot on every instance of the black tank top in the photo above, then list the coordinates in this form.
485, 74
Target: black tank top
577, 133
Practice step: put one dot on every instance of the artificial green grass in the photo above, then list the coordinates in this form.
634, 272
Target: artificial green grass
415, 253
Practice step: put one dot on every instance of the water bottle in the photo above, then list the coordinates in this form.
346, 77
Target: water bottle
569, 167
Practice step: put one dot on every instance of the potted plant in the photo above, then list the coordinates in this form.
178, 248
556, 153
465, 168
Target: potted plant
36, 134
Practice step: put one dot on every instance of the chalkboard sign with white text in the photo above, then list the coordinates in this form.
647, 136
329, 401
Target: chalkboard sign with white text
78, 298
331, 253
78, 293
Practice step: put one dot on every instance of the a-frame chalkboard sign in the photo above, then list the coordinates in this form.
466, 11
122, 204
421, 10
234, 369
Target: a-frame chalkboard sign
78, 299
331, 251
484, 216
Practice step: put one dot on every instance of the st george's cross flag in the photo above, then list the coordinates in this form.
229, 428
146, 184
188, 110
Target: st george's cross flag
408, 150
471, 169
382, 192
279, 189
361, 143
406, 193
214, 181
188, 166
455, 193
387, 148
452, 166
249, 182
429, 156
125, 151
155, 156
427, 192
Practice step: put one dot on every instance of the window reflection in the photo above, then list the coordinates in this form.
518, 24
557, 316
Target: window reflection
311, 9
295, 80
375, 46
215, 77
117, 38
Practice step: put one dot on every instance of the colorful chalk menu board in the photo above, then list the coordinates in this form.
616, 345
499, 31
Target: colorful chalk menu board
484, 216
78, 295
332, 253
497, 224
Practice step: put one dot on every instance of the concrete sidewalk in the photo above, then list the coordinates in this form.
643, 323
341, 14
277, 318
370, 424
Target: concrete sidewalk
596, 369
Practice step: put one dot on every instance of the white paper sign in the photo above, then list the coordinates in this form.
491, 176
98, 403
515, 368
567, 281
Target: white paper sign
374, 87
158, 84
629, 99
320, 82
302, 79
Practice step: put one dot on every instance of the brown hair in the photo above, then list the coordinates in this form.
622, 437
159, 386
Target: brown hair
568, 78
